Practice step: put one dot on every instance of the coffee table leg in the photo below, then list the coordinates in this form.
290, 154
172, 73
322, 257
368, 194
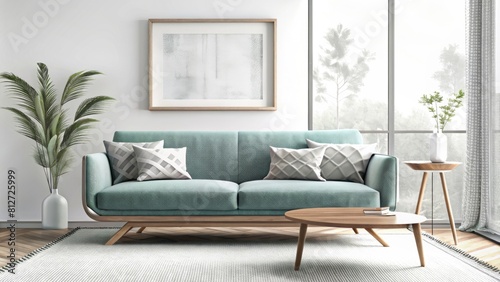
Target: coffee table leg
300, 245
418, 239
375, 235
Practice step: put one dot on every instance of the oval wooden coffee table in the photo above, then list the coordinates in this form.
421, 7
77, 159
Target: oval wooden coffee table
354, 218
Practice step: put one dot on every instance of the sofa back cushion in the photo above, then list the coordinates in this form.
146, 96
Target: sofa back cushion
253, 147
209, 154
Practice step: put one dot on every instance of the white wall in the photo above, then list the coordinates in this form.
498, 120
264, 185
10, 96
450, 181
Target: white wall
111, 36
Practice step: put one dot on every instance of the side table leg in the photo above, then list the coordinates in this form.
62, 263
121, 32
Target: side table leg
421, 193
417, 232
300, 245
448, 207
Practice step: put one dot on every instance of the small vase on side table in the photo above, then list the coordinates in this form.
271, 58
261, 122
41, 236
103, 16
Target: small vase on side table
438, 143
55, 211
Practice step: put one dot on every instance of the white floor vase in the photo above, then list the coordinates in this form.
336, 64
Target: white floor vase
55, 211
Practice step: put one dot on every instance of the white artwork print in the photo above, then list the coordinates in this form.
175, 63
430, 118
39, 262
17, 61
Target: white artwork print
213, 66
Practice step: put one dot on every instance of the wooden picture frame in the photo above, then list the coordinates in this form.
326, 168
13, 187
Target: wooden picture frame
212, 64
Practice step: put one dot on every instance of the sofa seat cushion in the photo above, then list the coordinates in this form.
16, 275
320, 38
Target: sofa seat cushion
196, 194
296, 194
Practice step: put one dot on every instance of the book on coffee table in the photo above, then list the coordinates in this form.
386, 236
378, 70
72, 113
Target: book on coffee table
378, 211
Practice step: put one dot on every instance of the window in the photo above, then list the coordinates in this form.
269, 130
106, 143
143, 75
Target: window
350, 64
352, 80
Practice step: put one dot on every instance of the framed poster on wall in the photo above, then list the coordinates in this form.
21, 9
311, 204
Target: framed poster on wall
212, 64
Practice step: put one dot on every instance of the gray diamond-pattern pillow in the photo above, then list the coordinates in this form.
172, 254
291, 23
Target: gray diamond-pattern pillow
344, 161
169, 163
295, 163
122, 159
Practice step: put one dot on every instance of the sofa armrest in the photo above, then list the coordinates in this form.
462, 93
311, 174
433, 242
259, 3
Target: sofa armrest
382, 174
96, 176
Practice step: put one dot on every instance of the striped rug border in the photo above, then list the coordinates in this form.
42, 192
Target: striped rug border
47, 246
460, 253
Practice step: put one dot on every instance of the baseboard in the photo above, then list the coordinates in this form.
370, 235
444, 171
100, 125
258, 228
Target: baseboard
438, 224
489, 235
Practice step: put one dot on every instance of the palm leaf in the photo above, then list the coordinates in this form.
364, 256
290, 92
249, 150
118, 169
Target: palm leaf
41, 157
59, 123
43, 76
64, 157
48, 94
76, 85
27, 127
92, 106
63, 166
75, 133
22, 92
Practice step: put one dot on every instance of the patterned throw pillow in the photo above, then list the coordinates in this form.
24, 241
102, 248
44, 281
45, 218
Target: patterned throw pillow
344, 161
169, 163
122, 159
296, 164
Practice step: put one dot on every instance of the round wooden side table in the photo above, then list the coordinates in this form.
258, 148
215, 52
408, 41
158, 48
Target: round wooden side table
441, 168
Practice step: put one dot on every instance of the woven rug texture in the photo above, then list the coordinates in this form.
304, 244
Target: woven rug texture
82, 256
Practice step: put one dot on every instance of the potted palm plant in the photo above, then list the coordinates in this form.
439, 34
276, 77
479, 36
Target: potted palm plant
42, 116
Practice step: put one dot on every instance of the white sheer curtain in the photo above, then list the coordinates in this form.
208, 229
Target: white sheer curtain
480, 78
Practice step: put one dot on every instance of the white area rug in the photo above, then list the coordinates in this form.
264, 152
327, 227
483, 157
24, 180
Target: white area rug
82, 256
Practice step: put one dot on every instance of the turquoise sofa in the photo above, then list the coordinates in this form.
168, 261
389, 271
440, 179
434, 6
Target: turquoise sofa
227, 188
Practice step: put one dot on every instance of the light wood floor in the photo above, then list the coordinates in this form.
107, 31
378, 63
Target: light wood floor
28, 240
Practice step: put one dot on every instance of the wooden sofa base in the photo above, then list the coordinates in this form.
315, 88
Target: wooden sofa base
143, 224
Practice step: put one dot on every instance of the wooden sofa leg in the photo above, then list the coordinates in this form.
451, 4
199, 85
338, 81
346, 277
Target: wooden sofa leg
126, 228
355, 230
141, 229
